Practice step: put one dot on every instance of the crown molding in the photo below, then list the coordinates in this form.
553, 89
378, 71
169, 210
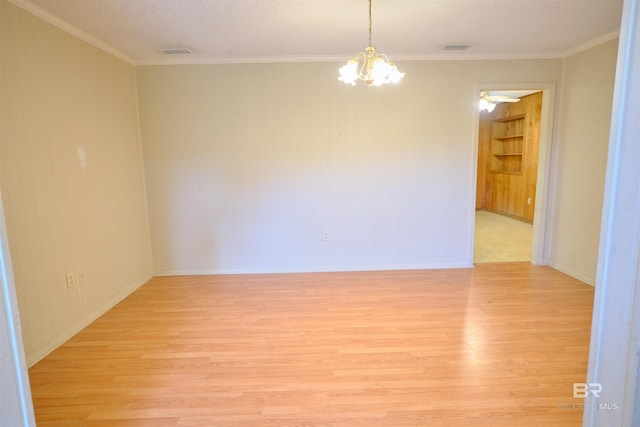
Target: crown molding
592, 43
65, 26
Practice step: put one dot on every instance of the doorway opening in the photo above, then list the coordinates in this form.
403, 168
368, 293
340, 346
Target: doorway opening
512, 171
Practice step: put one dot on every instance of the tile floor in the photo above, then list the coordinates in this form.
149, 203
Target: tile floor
499, 238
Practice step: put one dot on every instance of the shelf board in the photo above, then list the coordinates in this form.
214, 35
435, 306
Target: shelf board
507, 154
506, 172
509, 136
509, 119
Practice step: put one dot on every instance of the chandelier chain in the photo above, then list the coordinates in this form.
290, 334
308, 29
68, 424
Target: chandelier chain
370, 22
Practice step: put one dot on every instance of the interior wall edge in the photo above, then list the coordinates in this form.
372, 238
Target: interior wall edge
142, 164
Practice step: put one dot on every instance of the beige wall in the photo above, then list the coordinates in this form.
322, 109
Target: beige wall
247, 164
580, 158
71, 177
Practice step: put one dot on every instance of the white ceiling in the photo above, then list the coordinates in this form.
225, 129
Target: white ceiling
290, 30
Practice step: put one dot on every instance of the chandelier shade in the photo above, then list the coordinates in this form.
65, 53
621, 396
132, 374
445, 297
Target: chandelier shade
369, 66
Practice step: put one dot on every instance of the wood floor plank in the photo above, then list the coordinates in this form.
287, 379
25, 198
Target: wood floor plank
499, 344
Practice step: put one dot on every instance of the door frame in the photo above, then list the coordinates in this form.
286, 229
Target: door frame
16, 390
539, 240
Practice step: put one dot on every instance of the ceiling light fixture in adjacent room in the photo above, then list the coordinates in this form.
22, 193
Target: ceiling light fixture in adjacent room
371, 67
488, 102
486, 105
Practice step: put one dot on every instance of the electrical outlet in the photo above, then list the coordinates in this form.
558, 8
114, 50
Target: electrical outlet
71, 280
80, 277
325, 235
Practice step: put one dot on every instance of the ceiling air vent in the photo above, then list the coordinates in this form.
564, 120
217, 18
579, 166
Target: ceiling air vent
456, 46
176, 51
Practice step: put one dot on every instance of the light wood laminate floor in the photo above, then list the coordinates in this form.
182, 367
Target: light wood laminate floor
499, 238
496, 345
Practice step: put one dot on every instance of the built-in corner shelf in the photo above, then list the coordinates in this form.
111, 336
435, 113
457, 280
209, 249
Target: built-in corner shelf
507, 145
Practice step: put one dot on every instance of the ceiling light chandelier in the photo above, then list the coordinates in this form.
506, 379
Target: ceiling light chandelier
488, 101
374, 68
486, 105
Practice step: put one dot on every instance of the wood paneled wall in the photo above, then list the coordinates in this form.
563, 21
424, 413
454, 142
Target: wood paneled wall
510, 193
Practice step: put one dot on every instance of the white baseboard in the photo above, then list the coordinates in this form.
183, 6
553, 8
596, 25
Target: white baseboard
41, 351
573, 273
312, 269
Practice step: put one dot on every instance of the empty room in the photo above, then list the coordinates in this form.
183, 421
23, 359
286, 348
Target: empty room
269, 213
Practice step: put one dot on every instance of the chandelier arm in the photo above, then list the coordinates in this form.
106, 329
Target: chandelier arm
362, 73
